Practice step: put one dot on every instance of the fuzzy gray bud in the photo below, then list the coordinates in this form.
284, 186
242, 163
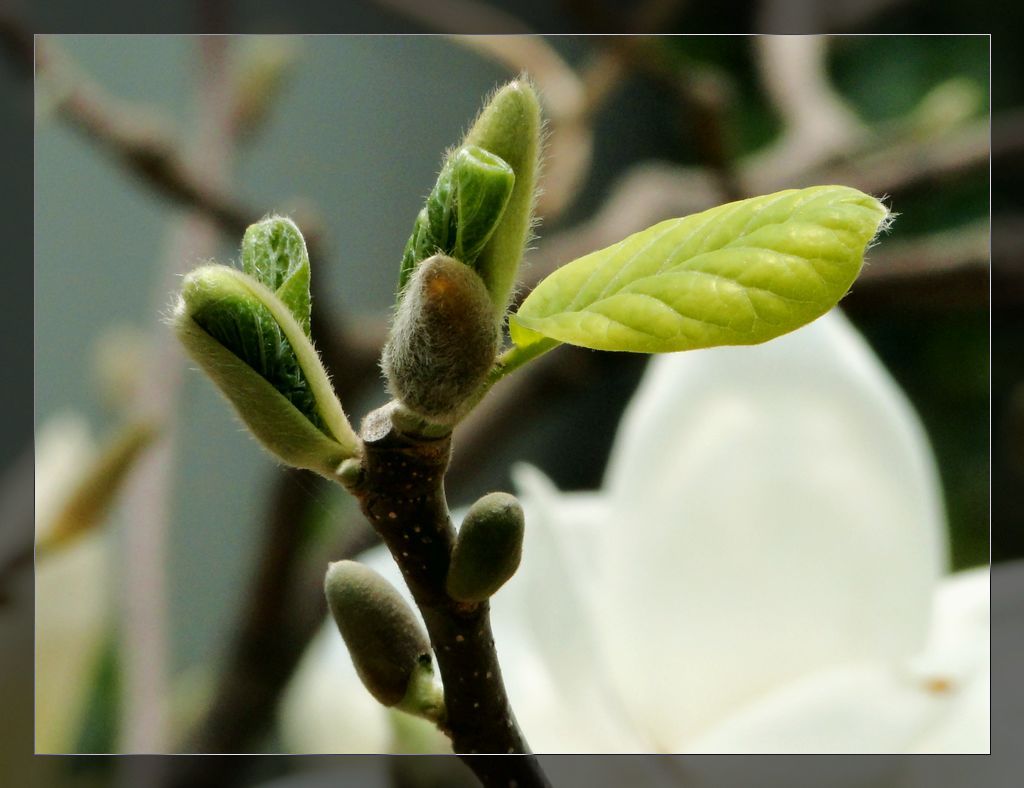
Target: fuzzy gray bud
443, 340
488, 548
385, 639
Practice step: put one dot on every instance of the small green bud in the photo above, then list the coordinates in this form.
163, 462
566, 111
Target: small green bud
387, 643
488, 548
250, 344
462, 211
509, 127
443, 340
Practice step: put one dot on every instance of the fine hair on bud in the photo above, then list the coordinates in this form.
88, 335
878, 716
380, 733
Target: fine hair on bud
386, 641
488, 548
443, 340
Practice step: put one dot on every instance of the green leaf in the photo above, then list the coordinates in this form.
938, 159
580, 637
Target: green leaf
248, 329
483, 185
462, 211
738, 274
274, 254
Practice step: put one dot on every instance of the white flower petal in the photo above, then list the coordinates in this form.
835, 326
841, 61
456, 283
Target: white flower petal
64, 447
1007, 702
775, 511
73, 613
543, 626
956, 664
934, 702
863, 708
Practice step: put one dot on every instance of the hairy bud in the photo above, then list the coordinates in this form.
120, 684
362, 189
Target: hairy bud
443, 340
488, 548
250, 344
387, 643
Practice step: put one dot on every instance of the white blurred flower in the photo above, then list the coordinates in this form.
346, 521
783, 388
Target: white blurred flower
761, 572
71, 589
64, 446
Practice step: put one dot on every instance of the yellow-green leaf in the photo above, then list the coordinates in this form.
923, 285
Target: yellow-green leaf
738, 274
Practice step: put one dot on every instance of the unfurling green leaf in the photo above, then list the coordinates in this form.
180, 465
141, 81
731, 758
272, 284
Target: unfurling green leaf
251, 345
738, 274
488, 549
509, 126
274, 254
442, 342
387, 643
462, 211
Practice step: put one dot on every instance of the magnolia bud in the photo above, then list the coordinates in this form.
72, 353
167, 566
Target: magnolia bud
387, 643
250, 344
443, 340
488, 548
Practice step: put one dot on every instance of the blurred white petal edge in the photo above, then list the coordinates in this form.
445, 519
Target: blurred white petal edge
767, 548
73, 605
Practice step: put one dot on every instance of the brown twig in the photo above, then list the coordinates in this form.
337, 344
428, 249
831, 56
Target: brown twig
943, 270
952, 250
401, 492
143, 146
271, 638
